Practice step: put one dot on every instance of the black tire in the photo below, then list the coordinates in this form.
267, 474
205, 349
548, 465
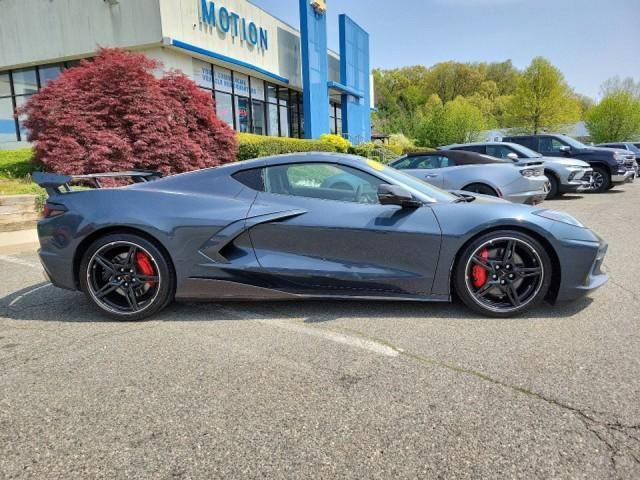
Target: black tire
480, 188
510, 287
111, 277
601, 180
554, 186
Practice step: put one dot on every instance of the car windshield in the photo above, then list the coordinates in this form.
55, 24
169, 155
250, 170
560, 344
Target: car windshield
426, 192
527, 152
572, 142
634, 147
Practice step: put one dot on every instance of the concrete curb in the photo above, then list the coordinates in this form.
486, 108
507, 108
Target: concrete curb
21, 241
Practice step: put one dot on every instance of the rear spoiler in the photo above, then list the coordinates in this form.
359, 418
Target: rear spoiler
53, 182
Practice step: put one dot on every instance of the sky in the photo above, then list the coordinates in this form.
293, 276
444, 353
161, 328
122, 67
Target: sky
589, 40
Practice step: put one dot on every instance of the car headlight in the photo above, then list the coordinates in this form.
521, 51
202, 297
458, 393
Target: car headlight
618, 158
559, 217
527, 172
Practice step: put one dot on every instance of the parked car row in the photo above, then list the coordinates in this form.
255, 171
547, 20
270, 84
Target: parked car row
525, 169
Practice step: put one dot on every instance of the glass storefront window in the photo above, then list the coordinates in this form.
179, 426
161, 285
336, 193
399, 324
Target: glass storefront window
272, 118
242, 114
284, 122
5, 85
25, 81
202, 74
258, 117
283, 96
240, 84
222, 79
272, 93
20, 101
257, 89
224, 108
48, 73
7, 122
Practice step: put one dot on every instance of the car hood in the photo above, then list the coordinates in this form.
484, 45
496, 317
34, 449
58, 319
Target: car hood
602, 149
567, 162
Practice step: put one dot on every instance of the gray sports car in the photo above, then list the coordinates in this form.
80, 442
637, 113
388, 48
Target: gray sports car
283, 228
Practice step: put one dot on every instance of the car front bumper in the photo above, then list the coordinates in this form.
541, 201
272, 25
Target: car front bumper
624, 177
527, 190
578, 281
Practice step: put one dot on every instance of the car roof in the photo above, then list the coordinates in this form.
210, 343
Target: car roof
461, 157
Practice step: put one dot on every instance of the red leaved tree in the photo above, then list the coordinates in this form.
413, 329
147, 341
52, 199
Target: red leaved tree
111, 113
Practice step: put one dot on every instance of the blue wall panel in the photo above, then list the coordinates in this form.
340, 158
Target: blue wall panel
315, 65
354, 74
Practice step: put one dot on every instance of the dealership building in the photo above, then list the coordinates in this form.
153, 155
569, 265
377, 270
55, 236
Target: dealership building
267, 77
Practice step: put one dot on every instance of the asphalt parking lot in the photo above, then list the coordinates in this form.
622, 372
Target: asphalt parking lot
327, 389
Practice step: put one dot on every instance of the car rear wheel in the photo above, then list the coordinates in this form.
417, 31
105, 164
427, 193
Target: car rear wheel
601, 180
502, 274
481, 188
127, 277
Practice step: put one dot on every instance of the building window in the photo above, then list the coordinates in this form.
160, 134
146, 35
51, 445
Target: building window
224, 107
283, 102
273, 115
258, 112
16, 87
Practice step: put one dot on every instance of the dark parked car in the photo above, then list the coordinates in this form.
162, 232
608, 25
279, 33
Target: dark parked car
268, 229
633, 147
610, 166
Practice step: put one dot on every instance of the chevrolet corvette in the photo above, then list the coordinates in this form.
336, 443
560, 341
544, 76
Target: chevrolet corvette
309, 225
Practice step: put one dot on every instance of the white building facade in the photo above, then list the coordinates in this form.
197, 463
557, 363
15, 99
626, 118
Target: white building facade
249, 60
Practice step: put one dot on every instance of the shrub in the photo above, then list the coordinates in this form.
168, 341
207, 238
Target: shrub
340, 144
399, 143
254, 146
374, 151
16, 163
112, 113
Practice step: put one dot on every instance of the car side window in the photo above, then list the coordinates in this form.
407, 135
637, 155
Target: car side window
426, 162
529, 142
447, 162
253, 178
499, 151
472, 148
550, 144
403, 164
323, 181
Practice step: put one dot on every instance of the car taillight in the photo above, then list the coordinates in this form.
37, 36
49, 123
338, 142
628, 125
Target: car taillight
53, 210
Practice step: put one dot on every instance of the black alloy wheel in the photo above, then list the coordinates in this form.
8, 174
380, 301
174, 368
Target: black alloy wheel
502, 274
601, 180
127, 277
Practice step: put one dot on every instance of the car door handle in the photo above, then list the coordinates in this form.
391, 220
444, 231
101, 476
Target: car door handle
431, 175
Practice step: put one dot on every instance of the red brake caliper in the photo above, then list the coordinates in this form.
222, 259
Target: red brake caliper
144, 264
479, 273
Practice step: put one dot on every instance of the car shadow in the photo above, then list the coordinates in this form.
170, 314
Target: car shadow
43, 302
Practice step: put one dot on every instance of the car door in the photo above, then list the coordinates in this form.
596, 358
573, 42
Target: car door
326, 233
427, 168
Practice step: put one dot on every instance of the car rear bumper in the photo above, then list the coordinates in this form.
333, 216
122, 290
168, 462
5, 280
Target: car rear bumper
528, 190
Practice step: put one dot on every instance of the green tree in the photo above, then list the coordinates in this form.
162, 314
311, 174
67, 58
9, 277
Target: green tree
457, 121
542, 100
616, 118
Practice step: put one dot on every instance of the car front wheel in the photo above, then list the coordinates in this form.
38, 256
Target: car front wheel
502, 274
127, 276
601, 180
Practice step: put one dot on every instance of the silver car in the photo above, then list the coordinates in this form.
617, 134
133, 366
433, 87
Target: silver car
566, 175
522, 182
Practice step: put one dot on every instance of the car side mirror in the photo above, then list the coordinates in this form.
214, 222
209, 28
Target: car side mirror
512, 156
396, 195
565, 149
